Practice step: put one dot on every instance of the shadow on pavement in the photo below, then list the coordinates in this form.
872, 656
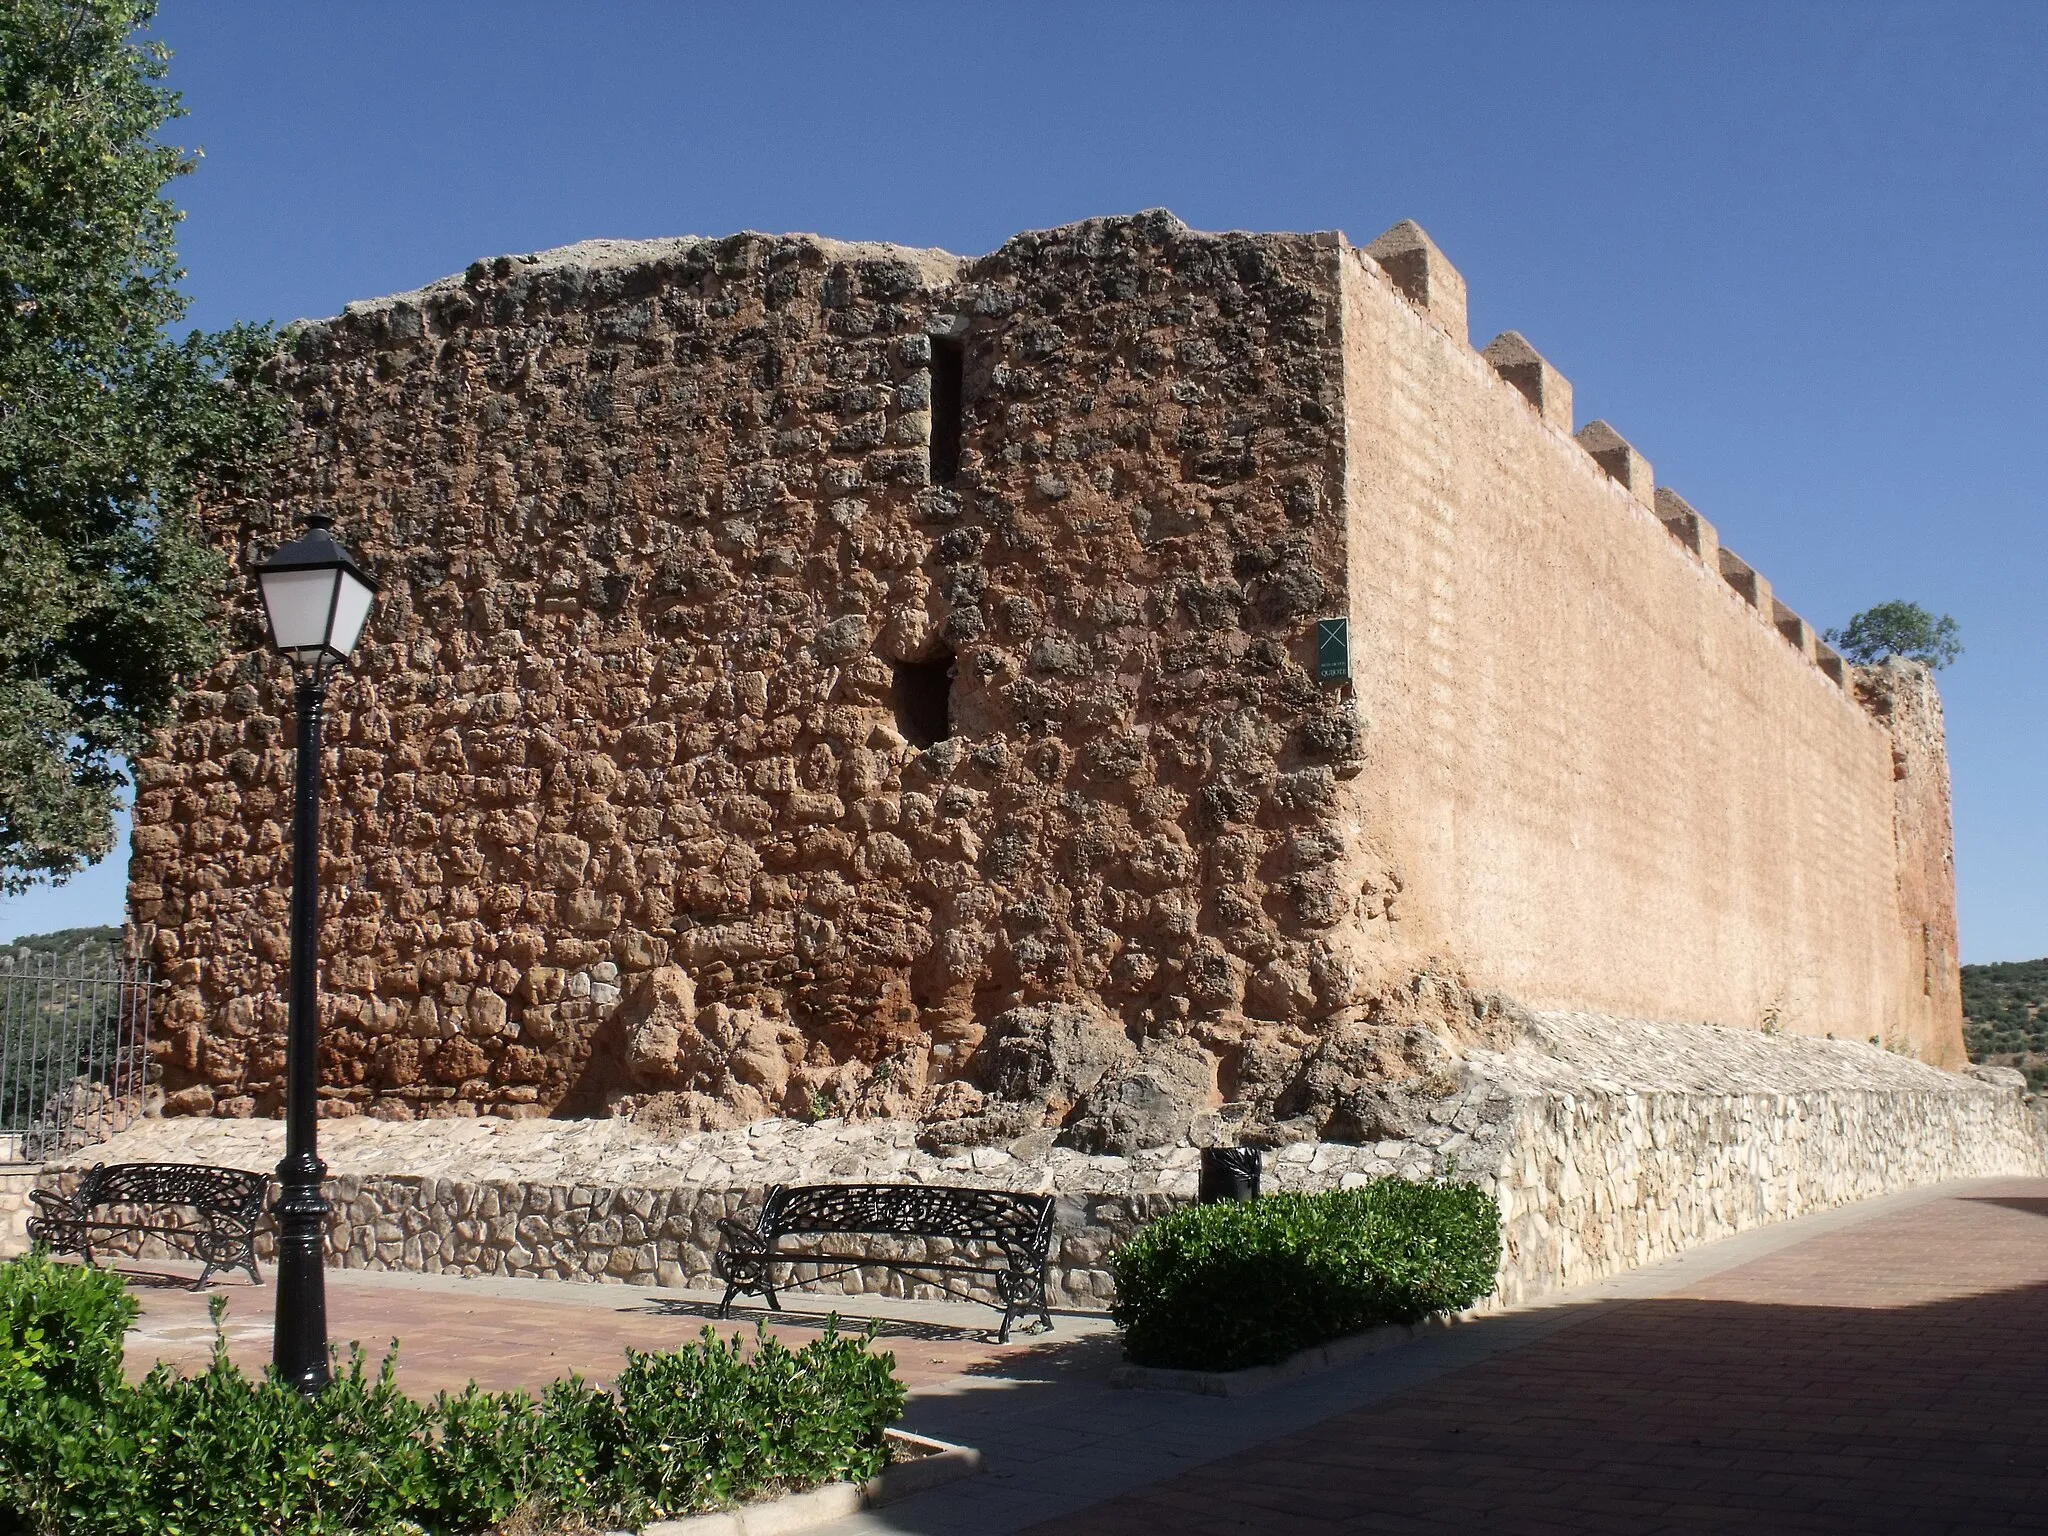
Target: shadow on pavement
165, 1280
851, 1319
1837, 1386
1616, 1416
2011, 1203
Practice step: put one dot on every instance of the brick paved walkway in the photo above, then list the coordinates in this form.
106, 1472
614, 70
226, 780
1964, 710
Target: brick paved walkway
1888, 1377
1874, 1369
524, 1333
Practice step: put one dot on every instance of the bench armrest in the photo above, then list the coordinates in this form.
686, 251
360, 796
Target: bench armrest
50, 1203
742, 1237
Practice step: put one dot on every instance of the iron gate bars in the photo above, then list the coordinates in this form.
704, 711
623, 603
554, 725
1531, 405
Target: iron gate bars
74, 1051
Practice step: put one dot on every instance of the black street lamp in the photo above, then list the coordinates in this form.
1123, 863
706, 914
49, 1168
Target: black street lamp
317, 599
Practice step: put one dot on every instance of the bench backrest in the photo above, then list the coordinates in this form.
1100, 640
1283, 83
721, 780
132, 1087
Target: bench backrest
231, 1191
1019, 1223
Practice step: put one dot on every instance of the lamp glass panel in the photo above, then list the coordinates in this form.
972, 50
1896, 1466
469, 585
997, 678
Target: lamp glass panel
299, 604
351, 608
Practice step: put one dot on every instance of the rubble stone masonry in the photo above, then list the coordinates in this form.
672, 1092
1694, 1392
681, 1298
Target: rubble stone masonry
1608, 1142
840, 680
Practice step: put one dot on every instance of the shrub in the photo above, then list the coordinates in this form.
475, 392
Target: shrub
1899, 629
225, 1454
707, 1424
222, 1452
1250, 1282
61, 1328
500, 1452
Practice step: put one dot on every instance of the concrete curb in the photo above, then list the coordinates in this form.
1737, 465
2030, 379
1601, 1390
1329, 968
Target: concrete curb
941, 1462
1261, 1378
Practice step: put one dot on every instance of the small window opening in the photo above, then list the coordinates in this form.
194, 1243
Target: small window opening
923, 695
949, 361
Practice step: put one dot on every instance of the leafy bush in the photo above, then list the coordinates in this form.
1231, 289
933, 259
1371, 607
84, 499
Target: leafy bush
224, 1454
1250, 1282
61, 1327
60, 1362
708, 1424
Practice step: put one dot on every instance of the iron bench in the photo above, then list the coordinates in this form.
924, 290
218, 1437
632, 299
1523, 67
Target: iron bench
1013, 1233
119, 1198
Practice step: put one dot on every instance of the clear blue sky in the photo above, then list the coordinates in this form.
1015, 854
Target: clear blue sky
1797, 254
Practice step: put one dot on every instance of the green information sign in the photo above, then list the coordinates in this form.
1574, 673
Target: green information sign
1333, 650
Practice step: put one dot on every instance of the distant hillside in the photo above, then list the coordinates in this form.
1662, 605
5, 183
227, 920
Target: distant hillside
87, 946
2005, 1016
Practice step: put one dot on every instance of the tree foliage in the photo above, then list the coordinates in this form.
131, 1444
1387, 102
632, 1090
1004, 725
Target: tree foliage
110, 428
1899, 629
2005, 1016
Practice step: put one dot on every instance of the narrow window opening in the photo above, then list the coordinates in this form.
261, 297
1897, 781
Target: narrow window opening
949, 361
923, 695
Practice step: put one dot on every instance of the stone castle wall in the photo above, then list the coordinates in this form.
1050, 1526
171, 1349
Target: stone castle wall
621, 799
1599, 772
691, 548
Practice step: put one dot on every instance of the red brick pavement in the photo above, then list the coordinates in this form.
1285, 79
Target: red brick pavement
1888, 1377
450, 1333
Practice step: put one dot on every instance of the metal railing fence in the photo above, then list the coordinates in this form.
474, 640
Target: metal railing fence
74, 1051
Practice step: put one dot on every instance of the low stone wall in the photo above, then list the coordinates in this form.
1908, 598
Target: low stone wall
606, 1201
15, 1183
1603, 1183
1609, 1143
1633, 1142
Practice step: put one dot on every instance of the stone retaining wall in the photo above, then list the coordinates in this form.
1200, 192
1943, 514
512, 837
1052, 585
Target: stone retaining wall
656, 1229
15, 1183
1609, 1144
1601, 1183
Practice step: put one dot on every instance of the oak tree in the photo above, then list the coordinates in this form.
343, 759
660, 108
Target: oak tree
111, 427
1899, 629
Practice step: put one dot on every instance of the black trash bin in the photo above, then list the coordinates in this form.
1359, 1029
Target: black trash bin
1229, 1173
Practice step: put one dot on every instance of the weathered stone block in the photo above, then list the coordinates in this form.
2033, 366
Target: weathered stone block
1748, 584
1688, 527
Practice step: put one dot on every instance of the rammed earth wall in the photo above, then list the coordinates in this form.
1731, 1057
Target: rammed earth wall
829, 679
1598, 771
1600, 1138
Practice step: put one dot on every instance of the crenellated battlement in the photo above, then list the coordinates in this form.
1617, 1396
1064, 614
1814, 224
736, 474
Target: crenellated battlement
1589, 740
1421, 272
1530, 372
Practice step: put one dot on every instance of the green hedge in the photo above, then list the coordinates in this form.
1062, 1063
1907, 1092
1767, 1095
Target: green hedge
224, 1454
1250, 1282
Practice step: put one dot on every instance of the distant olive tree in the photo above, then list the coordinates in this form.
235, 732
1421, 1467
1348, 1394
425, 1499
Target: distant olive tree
1899, 629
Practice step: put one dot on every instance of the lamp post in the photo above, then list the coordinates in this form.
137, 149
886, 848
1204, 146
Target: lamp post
316, 598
